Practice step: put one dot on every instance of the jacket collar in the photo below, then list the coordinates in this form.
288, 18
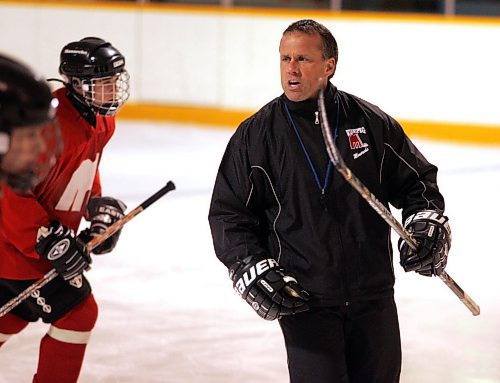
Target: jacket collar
311, 105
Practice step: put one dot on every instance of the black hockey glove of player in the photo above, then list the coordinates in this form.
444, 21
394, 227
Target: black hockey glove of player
432, 233
266, 287
67, 253
103, 212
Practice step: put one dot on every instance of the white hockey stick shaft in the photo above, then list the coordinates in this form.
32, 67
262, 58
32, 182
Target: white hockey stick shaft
96, 241
342, 168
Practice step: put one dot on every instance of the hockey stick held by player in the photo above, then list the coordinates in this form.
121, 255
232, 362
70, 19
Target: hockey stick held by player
95, 242
442, 239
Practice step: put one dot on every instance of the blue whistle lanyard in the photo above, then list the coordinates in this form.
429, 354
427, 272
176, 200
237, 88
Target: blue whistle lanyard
323, 186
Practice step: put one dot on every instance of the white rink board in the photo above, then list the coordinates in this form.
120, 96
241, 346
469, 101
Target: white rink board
431, 70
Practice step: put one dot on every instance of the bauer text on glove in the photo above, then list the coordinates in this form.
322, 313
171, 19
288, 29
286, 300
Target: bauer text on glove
266, 287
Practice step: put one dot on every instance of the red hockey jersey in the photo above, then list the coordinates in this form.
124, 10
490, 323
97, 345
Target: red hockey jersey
62, 196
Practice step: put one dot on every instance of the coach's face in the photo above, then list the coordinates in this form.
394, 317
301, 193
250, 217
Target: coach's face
303, 68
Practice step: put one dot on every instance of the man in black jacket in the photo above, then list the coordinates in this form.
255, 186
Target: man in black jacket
300, 243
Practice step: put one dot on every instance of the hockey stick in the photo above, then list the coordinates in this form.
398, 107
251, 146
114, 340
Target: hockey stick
342, 168
92, 244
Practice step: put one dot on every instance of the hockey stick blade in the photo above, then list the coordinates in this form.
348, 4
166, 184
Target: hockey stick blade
381, 210
96, 241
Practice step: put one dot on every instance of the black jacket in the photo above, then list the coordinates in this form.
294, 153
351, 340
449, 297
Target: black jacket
268, 202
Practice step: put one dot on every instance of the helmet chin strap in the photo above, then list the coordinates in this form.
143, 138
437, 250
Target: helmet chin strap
21, 183
83, 107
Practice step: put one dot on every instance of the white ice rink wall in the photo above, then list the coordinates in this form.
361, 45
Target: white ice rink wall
429, 69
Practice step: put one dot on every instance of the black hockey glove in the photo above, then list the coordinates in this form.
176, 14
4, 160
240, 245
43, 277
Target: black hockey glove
266, 287
433, 235
103, 212
67, 253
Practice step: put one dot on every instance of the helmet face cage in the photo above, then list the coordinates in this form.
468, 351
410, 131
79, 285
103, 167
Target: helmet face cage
95, 74
105, 95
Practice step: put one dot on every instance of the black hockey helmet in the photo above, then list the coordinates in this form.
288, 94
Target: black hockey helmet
89, 58
30, 138
95, 73
25, 98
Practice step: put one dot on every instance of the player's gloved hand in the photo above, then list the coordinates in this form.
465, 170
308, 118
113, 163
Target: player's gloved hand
266, 287
433, 236
103, 212
67, 253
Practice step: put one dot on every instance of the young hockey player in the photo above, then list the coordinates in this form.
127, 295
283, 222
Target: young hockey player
96, 86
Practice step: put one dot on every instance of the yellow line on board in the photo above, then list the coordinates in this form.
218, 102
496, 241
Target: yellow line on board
465, 133
454, 132
231, 118
385, 17
200, 115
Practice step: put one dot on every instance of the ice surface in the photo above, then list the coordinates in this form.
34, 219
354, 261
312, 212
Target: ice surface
168, 312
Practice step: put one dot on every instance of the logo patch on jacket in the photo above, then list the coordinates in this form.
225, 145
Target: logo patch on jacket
357, 141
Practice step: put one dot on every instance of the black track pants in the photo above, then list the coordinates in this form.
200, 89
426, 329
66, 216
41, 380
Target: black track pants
359, 343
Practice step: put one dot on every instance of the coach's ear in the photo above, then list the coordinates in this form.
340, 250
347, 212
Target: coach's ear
330, 66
